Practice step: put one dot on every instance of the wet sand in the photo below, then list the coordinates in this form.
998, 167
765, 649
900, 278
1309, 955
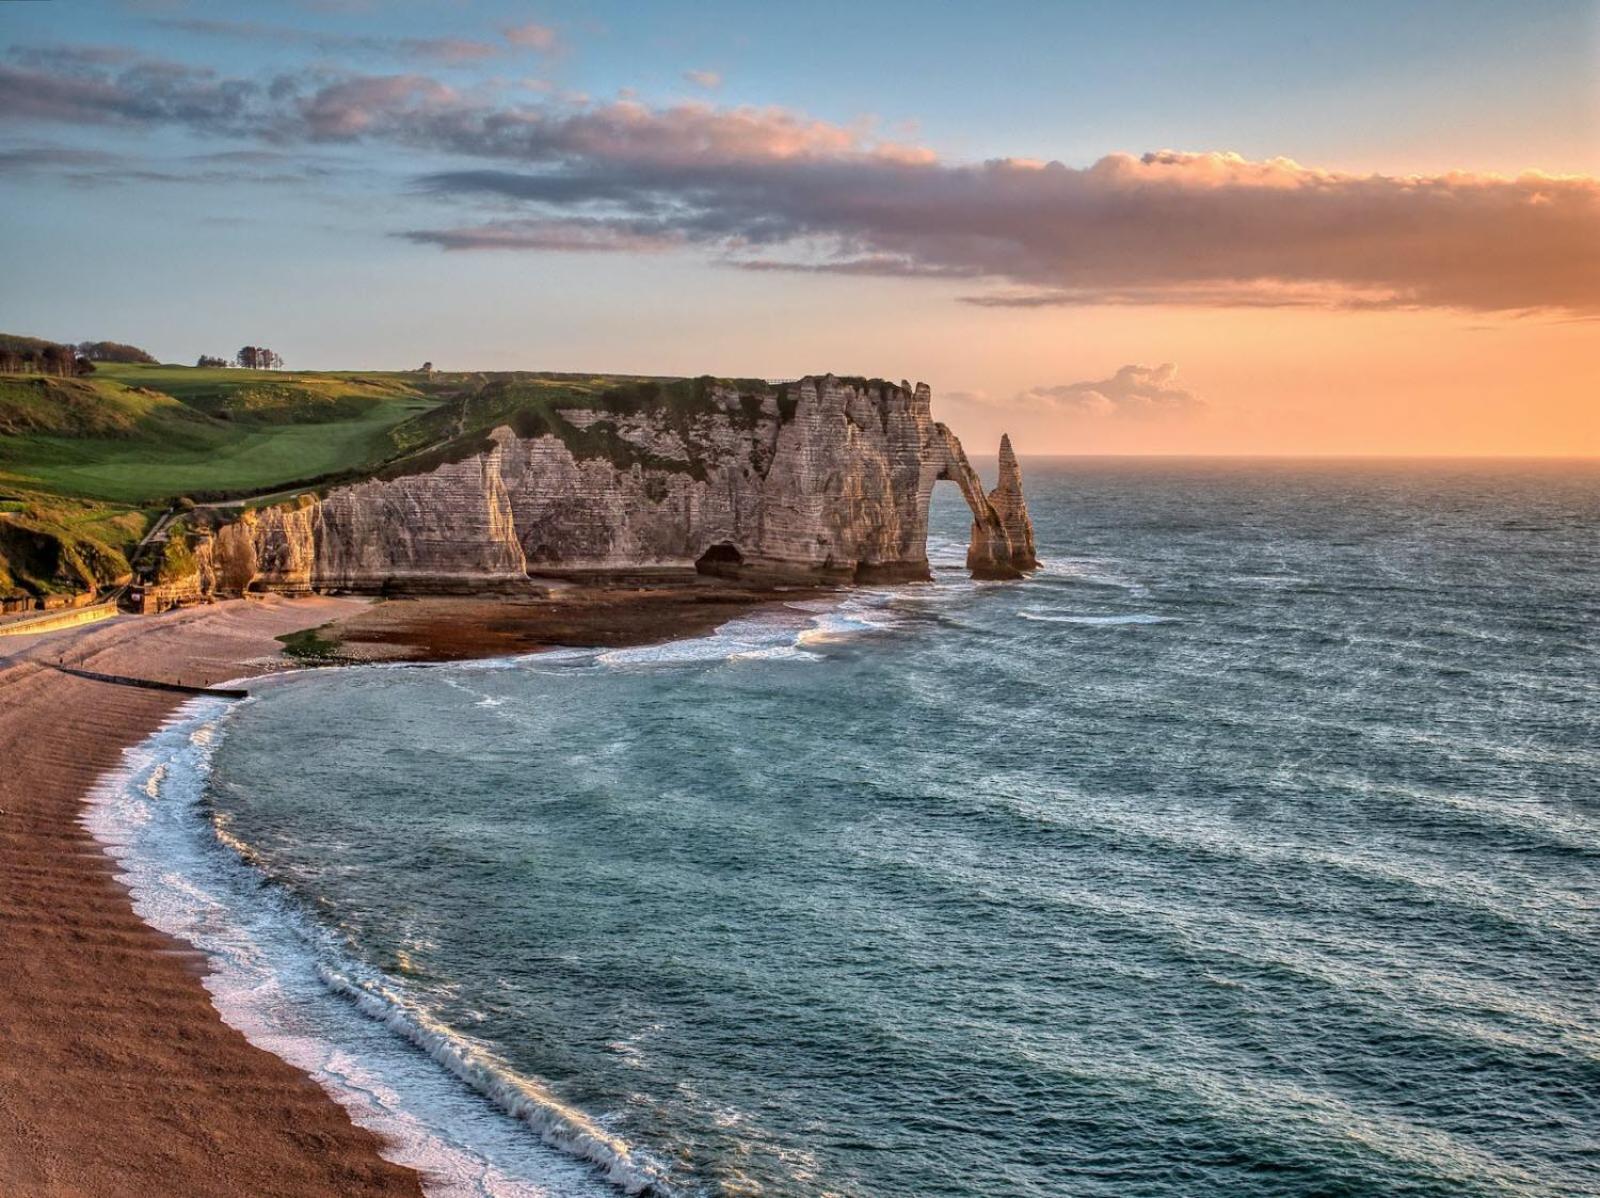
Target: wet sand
604, 617
117, 1077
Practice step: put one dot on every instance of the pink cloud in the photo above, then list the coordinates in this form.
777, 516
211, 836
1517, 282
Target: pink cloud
558, 236
347, 109
773, 189
1132, 393
541, 38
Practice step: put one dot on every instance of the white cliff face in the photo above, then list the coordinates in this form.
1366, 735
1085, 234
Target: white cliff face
837, 491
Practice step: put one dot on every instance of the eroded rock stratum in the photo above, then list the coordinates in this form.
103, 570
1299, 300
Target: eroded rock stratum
827, 480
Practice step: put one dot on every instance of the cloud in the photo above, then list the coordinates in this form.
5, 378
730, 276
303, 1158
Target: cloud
540, 38
453, 51
882, 266
22, 160
710, 80
147, 92
1206, 229
345, 110
774, 189
1133, 393
559, 236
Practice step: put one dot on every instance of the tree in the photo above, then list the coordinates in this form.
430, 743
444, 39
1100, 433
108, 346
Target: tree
58, 360
82, 366
207, 360
259, 357
35, 355
113, 351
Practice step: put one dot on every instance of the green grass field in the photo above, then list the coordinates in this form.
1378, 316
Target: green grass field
143, 434
86, 464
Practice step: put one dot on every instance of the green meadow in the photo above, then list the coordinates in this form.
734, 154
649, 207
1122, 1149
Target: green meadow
87, 464
146, 434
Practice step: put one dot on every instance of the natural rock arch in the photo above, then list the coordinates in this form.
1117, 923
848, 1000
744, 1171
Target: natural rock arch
1002, 534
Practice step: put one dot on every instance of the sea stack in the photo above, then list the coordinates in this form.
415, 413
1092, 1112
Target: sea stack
1009, 504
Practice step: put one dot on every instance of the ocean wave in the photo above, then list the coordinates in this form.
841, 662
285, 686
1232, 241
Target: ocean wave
1088, 571
558, 1124
845, 622
282, 980
751, 637
1129, 618
946, 552
771, 637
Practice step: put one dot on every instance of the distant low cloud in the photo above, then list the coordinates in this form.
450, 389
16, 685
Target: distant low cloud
1132, 393
773, 189
710, 80
20, 160
541, 38
345, 110
447, 50
555, 236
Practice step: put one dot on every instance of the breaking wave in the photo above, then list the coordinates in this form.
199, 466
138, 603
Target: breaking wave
282, 979
1130, 618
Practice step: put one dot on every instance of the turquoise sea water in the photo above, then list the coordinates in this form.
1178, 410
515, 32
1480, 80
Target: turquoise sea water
1251, 848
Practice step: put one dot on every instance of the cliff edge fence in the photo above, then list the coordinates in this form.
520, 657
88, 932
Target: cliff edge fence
824, 480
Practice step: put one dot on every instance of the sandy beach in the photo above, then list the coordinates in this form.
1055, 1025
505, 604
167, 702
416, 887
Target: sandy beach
117, 1077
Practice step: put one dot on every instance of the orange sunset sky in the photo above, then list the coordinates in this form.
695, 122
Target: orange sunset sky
1147, 228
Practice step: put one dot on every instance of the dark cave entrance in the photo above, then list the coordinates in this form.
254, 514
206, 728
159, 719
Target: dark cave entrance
722, 560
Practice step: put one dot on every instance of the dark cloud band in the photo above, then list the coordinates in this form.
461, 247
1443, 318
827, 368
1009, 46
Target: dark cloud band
769, 189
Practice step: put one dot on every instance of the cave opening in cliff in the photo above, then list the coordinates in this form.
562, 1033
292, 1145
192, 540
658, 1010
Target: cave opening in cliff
721, 560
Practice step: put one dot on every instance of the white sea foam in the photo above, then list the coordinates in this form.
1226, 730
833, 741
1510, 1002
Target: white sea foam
752, 637
282, 980
771, 636
946, 552
847, 620
1128, 618
1089, 571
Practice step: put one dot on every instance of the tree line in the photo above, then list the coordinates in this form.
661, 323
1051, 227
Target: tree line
113, 351
251, 357
35, 355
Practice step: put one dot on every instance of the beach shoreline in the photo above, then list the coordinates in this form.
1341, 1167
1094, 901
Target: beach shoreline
119, 1076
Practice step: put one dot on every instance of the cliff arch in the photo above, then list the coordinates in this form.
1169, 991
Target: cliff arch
1002, 533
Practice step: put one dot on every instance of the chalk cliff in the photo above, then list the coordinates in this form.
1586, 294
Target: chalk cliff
821, 480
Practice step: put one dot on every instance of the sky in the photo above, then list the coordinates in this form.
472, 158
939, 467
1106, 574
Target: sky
1217, 228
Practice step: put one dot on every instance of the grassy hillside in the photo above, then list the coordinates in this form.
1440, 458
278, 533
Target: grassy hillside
50, 545
87, 463
142, 434
532, 404
269, 396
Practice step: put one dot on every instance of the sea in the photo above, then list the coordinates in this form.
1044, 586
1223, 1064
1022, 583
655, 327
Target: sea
1250, 848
